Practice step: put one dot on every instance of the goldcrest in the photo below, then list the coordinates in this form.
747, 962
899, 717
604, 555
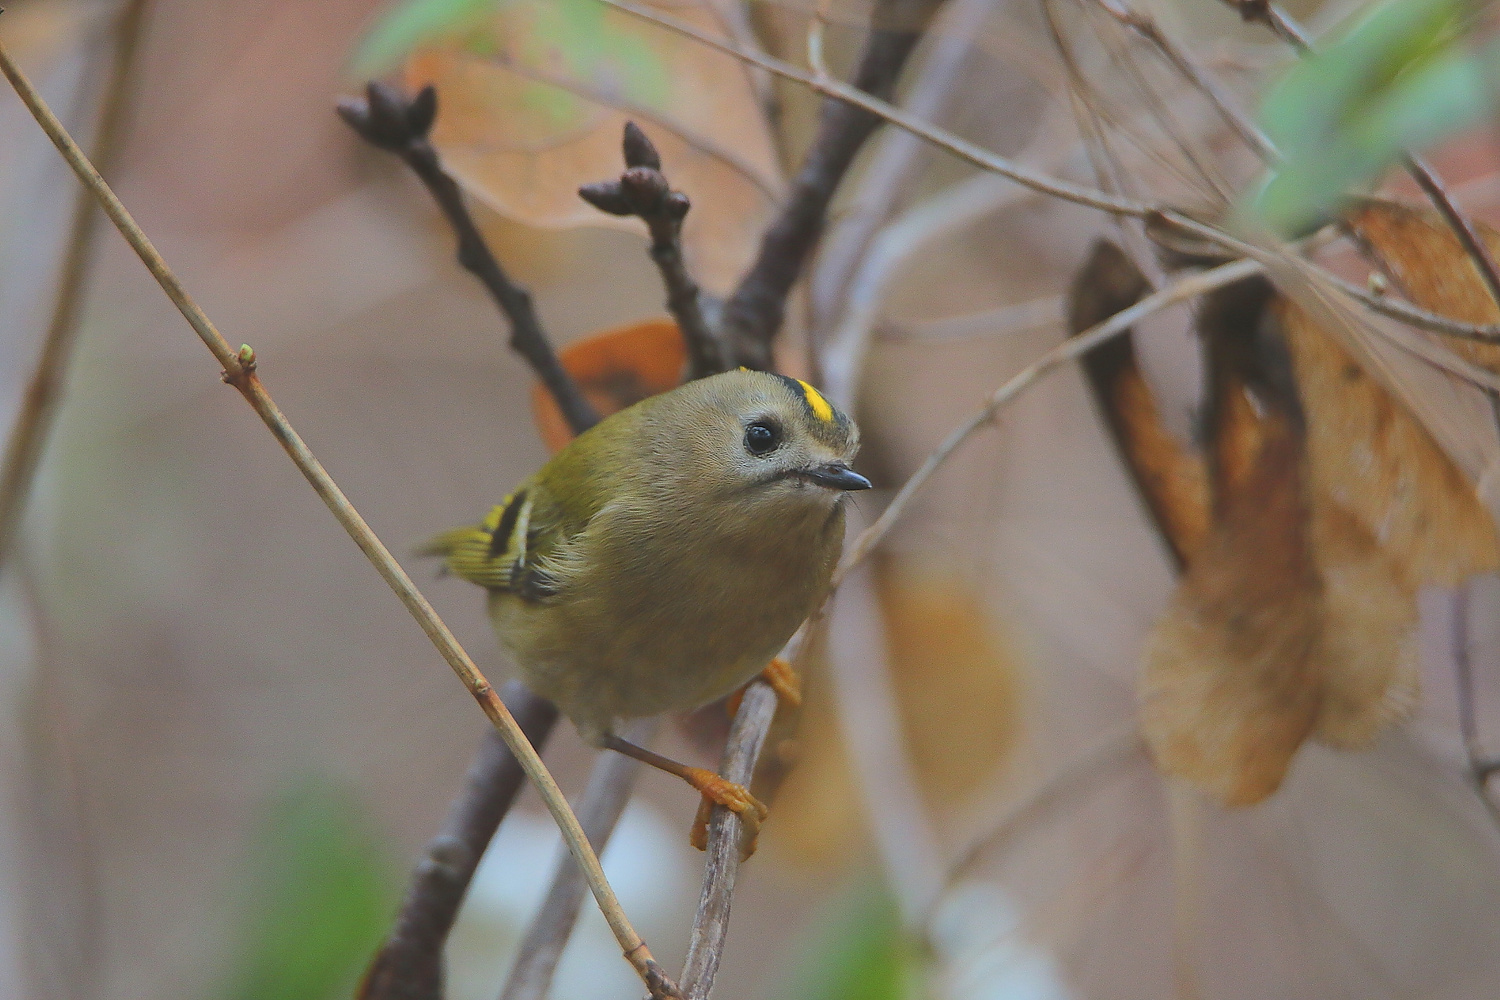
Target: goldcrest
661, 559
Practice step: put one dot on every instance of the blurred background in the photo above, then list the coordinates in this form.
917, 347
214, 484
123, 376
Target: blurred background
222, 741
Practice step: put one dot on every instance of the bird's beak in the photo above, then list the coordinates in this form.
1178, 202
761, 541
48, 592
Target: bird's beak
836, 476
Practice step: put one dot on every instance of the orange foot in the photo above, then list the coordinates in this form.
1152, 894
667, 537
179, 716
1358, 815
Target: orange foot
721, 792
783, 679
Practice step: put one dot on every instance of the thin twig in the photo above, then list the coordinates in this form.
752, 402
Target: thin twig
409, 966
386, 119
747, 736
1268, 14
39, 404
643, 191
1144, 25
599, 810
1089, 197
753, 313
1074, 347
240, 372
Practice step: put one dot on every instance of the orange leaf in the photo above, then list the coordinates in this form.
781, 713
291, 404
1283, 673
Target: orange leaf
614, 369
523, 125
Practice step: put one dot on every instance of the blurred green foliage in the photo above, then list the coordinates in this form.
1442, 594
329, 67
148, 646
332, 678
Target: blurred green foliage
1404, 76
575, 39
857, 952
318, 897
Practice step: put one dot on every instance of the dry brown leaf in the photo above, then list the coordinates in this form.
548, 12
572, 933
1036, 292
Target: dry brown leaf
1366, 653
1170, 479
527, 162
1369, 455
614, 369
1230, 689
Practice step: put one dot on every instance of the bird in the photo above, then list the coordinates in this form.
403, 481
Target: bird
662, 558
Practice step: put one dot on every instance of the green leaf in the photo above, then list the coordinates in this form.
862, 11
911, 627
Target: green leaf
859, 952
415, 23
1403, 78
319, 900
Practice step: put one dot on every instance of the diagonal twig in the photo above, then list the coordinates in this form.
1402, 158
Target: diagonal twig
1267, 13
240, 372
28, 435
642, 191
386, 119
1074, 347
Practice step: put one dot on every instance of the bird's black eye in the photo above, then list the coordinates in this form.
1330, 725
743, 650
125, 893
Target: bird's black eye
762, 437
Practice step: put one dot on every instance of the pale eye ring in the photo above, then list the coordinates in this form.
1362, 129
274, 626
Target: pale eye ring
762, 437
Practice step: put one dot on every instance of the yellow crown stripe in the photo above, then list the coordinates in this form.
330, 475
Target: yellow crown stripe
821, 408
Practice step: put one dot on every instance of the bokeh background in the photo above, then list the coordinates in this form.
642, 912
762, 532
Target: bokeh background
222, 740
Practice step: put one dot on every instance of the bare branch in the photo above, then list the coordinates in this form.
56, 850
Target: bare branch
240, 372
28, 435
753, 314
747, 737
409, 966
643, 191
385, 118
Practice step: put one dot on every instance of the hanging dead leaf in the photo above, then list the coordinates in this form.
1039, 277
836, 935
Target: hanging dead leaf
1371, 457
1170, 479
1229, 690
532, 105
1366, 652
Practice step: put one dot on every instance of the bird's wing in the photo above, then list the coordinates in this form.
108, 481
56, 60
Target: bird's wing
502, 551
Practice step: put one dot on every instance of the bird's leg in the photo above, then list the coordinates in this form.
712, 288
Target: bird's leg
783, 679
714, 789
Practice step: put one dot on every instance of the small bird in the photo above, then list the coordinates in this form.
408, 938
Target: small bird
664, 556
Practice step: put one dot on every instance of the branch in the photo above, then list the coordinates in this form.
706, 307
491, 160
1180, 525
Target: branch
1074, 347
599, 810
386, 119
409, 966
643, 191
753, 314
240, 372
28, 435
747, 736
1156, 216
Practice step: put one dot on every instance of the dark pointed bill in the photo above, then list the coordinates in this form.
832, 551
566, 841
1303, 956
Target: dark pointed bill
835, 476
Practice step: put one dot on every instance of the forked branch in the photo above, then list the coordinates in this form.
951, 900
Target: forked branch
643, 191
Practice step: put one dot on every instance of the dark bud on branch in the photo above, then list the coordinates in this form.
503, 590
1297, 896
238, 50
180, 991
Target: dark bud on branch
386, 119
645, 187
607, 196
639, 152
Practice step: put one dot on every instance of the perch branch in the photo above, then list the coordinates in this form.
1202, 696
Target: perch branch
604, 798
747, 737
240, 372
409, 966
387, 120
1074, 347
28, 436
753, 314
642, 191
